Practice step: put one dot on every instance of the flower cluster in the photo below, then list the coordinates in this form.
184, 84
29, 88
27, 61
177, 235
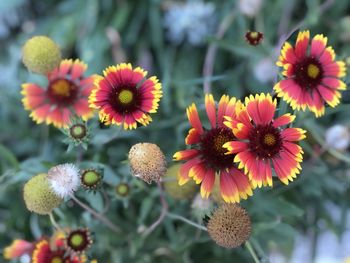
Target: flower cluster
49, 249
246, 145
248, 142
123, 96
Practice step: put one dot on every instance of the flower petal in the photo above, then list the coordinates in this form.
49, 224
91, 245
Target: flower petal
193, 118
210, 109
207, 183
185, 154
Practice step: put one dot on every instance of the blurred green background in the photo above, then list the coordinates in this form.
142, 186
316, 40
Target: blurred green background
306, 221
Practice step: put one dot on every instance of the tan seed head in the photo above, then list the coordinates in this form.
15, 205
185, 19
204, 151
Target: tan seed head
229, 226
147, 162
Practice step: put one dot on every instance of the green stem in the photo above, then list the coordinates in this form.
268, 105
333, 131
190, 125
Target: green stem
54, 223
99, 216
252, 251
209, 59
183, 219
162, 214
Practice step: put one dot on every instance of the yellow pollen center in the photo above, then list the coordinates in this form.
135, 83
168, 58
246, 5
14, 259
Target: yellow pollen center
269, 139
313, 71
77, 240
122, 189
56, 260
61, 88
125, 96
253, 34
219, 141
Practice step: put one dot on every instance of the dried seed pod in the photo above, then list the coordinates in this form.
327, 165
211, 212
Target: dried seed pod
147, 162
229, 226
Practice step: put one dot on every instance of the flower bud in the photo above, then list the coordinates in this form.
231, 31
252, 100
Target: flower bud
78, 240
91, 178
122, 189
172, 187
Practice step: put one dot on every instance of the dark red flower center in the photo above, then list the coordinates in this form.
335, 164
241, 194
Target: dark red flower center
254, 38
78, 240
265, 141
62, 91
125, 98
212, 151
308, 73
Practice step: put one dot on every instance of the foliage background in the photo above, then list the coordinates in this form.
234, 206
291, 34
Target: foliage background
86, 29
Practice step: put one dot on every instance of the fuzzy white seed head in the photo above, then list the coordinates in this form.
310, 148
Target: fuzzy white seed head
265, 70
250, 7
338, 137
192, 21
64, 179
201, 207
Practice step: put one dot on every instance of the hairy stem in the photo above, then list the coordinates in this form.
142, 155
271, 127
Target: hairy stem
187, 221
54, 222
211, 52
252, 251
99, 216
162, 213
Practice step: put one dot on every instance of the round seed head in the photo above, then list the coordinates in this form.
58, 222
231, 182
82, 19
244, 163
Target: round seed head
147, 162
38, 195
229, 226
41, 55
64, 179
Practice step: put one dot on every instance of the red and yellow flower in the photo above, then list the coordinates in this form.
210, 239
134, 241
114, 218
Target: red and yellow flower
207, 159
46, 253
124, 96
18, 248
45, 250
65, 96
312, 74
262, 142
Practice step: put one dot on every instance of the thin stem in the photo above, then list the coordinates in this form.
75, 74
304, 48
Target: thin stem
211, 52
252, 251
107, 201
79, 154
183, 219
54, 222
44, 139
162, 214
99, 216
